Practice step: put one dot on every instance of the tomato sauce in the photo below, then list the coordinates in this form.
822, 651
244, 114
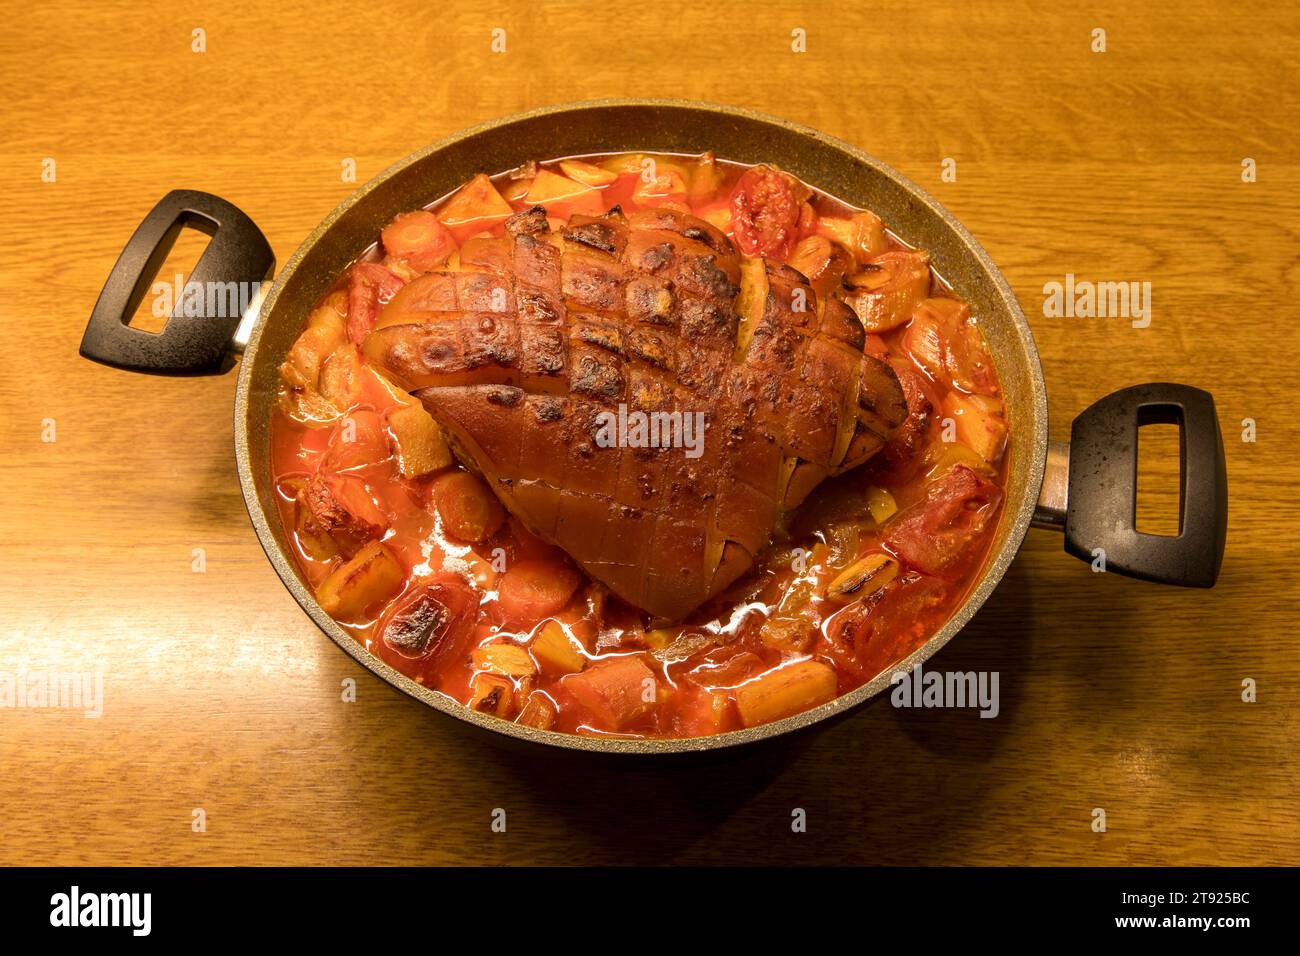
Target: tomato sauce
416, 558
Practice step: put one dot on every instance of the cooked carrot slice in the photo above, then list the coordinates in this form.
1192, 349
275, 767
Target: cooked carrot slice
532, 590
469, 511
615, 691
419, 239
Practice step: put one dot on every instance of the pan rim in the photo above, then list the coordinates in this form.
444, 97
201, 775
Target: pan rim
996, 564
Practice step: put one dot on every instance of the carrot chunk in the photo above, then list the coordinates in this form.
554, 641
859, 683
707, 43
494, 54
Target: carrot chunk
615, 691
469, 511
419, 239
532, 590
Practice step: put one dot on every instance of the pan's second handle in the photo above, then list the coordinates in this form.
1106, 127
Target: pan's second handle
1096, 500
199, 334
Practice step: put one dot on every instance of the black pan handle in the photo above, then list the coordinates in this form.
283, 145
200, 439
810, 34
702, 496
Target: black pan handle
1090, 489
199, 334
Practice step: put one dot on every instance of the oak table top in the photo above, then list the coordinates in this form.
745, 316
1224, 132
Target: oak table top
220, 695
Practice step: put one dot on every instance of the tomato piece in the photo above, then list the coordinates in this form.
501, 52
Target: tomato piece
371, 287
870, 635
426, 625
532, 590
467, 507
418, 239
938, 534
765, 212
615, 691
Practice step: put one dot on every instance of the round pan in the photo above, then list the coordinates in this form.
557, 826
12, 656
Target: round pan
1089, 491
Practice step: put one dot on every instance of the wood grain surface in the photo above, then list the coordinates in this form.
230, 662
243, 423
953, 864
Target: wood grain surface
220, 695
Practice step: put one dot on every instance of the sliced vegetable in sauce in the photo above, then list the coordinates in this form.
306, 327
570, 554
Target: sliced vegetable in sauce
416, 556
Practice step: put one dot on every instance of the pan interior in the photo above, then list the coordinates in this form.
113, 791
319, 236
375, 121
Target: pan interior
660, 126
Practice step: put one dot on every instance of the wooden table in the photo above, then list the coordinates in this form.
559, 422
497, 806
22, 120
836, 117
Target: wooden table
220, 694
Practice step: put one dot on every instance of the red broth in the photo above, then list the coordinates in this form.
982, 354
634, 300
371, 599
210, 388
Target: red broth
415, 558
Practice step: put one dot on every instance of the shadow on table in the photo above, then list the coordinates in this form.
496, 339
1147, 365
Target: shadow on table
877, 773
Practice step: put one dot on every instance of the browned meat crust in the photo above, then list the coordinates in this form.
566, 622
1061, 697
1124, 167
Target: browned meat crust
519, 354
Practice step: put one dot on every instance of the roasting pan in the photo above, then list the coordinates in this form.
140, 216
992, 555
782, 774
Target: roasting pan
1085, 488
